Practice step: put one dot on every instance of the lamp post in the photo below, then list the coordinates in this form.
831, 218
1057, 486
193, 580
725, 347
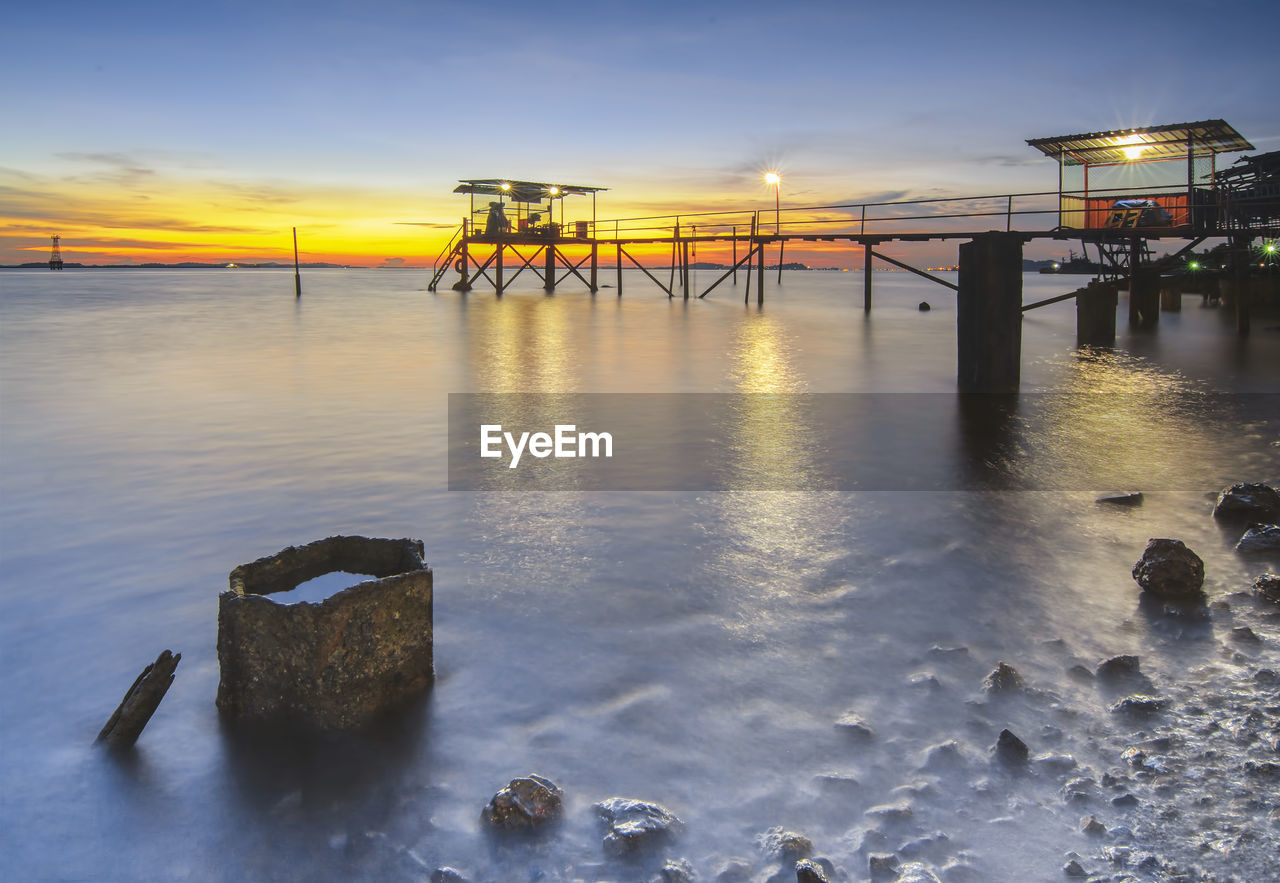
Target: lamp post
776, 181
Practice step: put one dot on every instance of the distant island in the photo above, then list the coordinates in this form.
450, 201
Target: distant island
185, 265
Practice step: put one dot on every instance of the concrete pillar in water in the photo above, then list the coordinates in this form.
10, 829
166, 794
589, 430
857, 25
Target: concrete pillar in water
549, 282
1144, 298
989, 313
1096, 315
1242, 290
595, 267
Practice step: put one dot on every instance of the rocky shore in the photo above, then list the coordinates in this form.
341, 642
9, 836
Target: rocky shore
1131, 774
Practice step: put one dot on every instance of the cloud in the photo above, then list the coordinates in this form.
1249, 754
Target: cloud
393, 262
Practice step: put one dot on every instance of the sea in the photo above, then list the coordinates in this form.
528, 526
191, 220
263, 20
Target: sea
707, 648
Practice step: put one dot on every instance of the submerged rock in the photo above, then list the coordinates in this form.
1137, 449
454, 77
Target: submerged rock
525, 803
854, 725
1119, 668
924, 306
916, 872
1248, 502
1124, 498
785, 845
1004, 678
1261, 538
676, 871
882, 865
1138, 703
809, 871
634, 824
1168, 569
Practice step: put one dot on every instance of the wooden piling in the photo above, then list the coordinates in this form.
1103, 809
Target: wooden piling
989, 314
1242, 289
549, 279
595, 261
1096, 315
866, 277
297, 277
619, 270
735, 255
134, 711
684, 267
497, 269
1171, 296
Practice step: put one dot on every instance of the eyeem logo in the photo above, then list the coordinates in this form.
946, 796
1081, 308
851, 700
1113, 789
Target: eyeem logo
565, 443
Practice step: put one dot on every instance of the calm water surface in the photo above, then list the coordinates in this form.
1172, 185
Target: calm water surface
694, 649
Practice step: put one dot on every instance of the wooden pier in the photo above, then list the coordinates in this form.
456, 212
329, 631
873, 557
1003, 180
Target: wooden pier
1119, 223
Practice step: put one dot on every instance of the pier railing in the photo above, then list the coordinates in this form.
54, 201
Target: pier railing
1074, 210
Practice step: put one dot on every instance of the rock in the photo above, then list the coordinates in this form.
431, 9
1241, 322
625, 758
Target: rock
1125, 498
1138, 704
1124, 801
1004, 678
633, 824
882, 865
1074, 869
1168, 569
1078, 672
1055, 763
1092, 827
676, 871
854, 725
332, 664
1244, 634
1118, 668
525, 803
943, 757
1248, 502
916, 872
1010, 749
1260, 539
1267, 587
785, 845
809, 871
447, 875
924, 306
889, 812
734, 871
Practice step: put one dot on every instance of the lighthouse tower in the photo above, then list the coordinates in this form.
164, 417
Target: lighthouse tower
55, 259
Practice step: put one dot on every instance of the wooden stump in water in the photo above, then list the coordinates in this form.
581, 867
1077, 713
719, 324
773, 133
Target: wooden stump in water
139, 703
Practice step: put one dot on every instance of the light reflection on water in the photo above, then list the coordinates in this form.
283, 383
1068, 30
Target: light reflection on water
694, 649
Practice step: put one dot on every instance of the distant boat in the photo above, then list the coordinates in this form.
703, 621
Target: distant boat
1075, 264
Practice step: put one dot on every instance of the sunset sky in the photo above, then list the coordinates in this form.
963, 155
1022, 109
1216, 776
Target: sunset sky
173, 131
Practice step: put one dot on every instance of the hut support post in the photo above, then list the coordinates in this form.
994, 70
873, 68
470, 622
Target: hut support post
989, 314
866, 277
1096, 315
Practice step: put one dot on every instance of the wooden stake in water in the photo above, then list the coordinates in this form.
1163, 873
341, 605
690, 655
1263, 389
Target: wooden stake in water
297, 278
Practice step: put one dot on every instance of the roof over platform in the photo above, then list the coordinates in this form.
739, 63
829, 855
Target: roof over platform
1147, 143
522, 191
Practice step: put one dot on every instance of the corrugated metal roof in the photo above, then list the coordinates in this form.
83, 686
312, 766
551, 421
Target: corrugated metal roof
522, 191
1145, 142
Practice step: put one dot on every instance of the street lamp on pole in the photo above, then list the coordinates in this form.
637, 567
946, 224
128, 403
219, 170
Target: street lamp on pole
772, 178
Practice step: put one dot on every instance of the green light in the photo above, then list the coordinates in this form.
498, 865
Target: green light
1269, 248
1195, 265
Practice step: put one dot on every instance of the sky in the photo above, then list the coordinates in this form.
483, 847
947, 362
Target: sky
168, 132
